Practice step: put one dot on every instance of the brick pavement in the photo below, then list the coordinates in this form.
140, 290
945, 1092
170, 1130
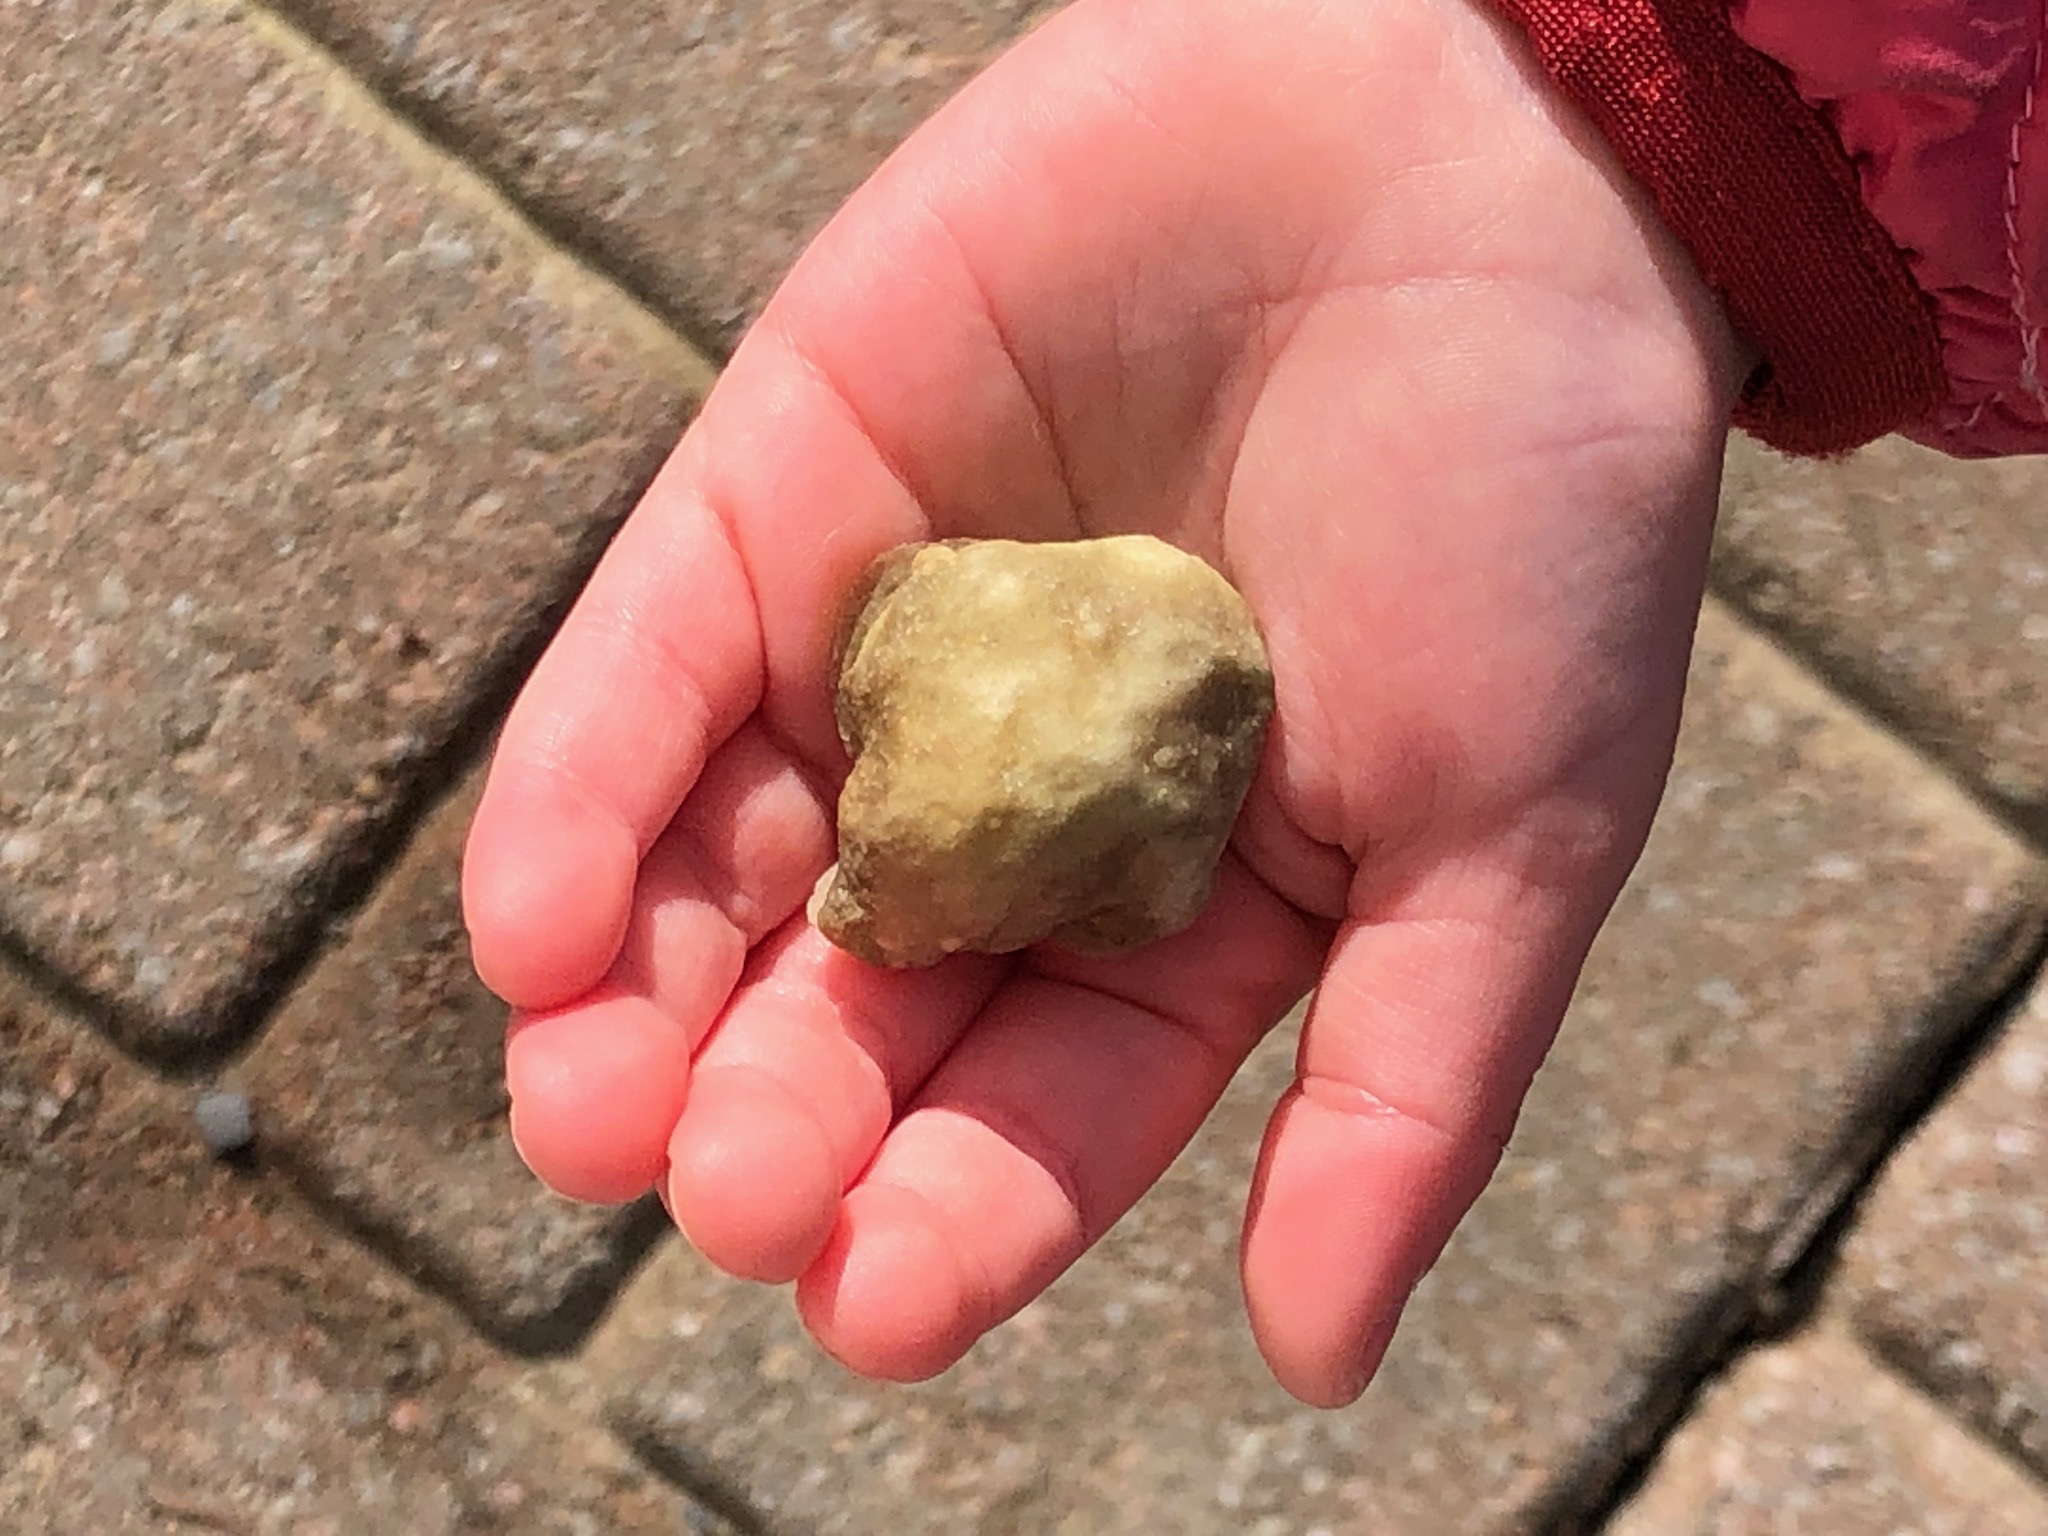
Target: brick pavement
363, 430
1917, 583
333, 365
1814, 1438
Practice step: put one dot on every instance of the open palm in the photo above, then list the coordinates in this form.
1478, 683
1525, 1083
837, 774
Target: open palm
1331, 296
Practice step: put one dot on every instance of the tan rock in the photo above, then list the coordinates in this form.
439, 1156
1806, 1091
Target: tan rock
1050, 741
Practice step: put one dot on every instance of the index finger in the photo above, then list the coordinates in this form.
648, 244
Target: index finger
662, 658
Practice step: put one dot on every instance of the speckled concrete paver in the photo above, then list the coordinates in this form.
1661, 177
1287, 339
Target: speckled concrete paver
301, 438
1815, 914
695, 147
1946, 1272
378, 1086
1920, 583
1812, 1438
182, 1349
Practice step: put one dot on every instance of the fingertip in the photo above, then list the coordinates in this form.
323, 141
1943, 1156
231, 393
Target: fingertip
1365, 1364
547, 892
1341, 1381
1347, 1213
888, 1297
1319, 1233
752, 1179
596, 1090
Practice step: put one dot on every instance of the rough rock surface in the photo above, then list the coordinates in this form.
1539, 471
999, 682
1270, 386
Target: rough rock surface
1050, 741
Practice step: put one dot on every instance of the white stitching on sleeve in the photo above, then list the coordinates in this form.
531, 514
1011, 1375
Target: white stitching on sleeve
2029, 327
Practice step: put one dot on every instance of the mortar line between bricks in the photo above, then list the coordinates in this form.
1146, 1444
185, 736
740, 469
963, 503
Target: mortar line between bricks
1859, 703
1782, 1297
352, 881
699, 1480
441, 779
52, 1009
585, 279
1751, 1309
428, 132
557, 1335
1865, 698
1914, 1383
102, 1014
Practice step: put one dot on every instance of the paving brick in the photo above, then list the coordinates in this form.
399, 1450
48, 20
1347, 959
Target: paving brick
181, 1349
1920, 583
1811, 1438
1816, 912
301, 438
697, 146
380, 1087
1946, 1272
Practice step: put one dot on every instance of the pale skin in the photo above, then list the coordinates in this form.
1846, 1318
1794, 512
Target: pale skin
1339, 297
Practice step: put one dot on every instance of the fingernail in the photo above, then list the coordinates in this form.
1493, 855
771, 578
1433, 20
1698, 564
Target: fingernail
1365, 1364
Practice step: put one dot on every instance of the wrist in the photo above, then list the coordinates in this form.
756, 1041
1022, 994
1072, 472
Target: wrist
1680, 295
1753, 184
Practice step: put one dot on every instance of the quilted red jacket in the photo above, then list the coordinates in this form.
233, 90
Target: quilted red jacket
1864, 183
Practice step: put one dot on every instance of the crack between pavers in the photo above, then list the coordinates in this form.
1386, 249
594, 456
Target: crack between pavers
1908, 1366
695, 1476
1864, 701
334, 893
1783, 1290
555, 1334
1885, 709
304, 29
109, 1021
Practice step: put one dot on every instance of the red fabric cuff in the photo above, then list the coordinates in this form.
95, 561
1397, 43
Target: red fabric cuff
1753, 181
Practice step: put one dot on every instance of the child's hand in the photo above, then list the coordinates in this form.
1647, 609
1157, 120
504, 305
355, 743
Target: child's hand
1331, 295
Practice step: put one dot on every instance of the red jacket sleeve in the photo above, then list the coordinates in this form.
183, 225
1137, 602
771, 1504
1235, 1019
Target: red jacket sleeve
1862, 182
1935, 101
